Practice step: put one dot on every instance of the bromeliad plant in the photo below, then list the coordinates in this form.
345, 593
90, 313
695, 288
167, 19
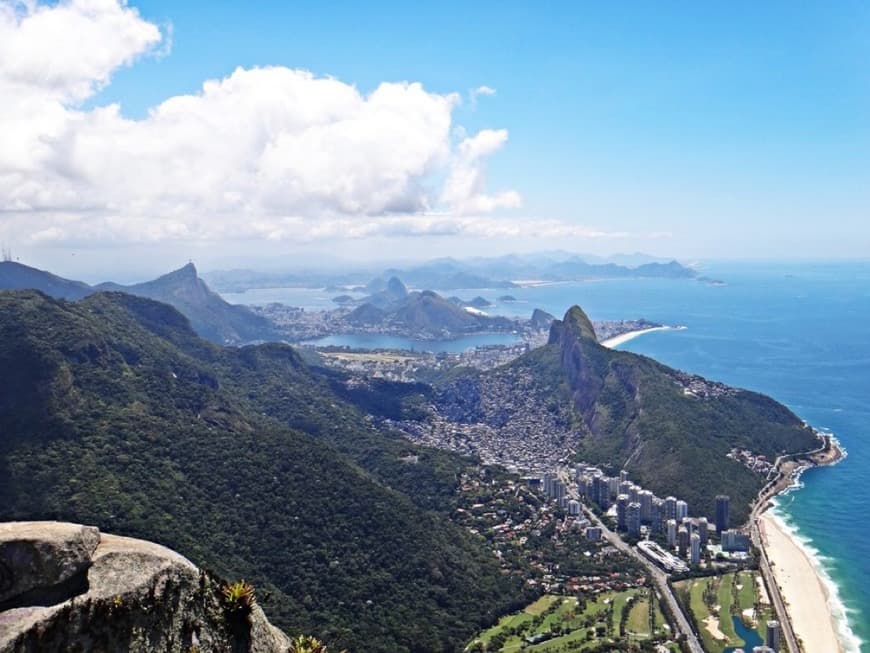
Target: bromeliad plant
238, 597
307, 644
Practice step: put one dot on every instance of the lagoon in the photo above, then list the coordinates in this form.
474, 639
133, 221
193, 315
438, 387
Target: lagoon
380, 341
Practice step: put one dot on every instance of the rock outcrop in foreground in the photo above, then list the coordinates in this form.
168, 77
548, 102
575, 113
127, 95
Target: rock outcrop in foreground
66, 587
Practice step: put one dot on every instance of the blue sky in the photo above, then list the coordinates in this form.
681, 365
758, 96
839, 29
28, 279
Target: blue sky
692, 130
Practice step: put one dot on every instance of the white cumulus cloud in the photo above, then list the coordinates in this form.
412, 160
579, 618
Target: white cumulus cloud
244, 156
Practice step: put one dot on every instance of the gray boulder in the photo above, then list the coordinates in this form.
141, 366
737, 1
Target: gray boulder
37, 557
69, 587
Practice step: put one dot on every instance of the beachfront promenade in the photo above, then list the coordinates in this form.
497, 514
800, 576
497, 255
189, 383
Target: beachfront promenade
792, 582
773, 591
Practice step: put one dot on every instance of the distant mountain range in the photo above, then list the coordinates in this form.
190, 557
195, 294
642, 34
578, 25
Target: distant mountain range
210, 316
451, 273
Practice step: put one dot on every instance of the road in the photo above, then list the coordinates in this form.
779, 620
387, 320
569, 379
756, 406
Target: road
659, 578
769, 581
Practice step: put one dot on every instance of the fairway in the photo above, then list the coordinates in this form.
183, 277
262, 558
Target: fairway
715, 600
557, 623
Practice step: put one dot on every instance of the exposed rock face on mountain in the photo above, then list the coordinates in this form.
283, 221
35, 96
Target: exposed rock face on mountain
209, 315
541, 319
65, 587
575, 399
394, 291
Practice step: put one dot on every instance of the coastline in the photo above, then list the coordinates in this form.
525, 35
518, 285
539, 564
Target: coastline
806, 597
622, 338
813, 607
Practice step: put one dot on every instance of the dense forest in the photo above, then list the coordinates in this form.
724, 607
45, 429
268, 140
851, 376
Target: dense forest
114, 413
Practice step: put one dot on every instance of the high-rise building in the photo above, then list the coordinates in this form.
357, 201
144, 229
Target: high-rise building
734, 540
560, 490
622, 512
623, 475
613, 486
722, 502
670, 508
632, 519
646, 498
695, 546
773, 634
683, 540
573, 507
703, 530
682, 509
584, 486
548, 484
672, 533
601, 492
655, 519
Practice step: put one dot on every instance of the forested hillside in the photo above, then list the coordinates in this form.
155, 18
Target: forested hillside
114, 413
616, 409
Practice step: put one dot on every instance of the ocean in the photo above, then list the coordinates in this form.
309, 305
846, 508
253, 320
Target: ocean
799, 332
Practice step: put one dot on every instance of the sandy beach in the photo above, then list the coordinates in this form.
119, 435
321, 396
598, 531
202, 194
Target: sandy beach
631, 335
802, 589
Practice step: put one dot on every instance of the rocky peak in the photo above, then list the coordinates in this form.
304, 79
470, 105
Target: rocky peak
396, 288
584, 361
70, 587
576, 325
541, 319
184, 274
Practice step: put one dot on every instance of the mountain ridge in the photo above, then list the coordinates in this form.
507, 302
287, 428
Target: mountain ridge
210, 315
113, 412
671, 430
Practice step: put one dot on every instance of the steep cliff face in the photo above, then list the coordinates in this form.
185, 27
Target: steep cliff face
66, 587
583, 361
575, 398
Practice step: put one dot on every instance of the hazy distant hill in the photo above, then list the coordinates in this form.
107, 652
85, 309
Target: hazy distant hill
209, 314
671, 430
451, 273
15, 276
114, 413
424, 313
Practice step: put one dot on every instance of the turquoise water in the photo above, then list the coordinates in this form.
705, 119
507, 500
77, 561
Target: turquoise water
750, 637
376, 341
800, 333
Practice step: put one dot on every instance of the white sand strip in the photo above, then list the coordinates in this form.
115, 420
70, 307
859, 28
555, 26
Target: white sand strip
803, 591
615, 341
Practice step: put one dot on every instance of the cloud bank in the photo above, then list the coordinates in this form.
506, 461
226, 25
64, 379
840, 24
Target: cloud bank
271, 153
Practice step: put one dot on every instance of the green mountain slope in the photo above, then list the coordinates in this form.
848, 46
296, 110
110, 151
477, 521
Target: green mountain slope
211, 316
15, 276
671, 430
113, 413
426, 313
